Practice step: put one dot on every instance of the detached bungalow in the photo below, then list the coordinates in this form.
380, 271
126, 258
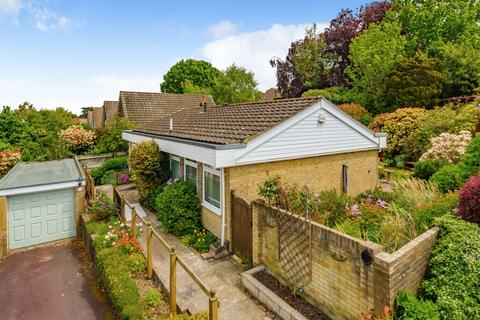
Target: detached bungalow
227, 151
95, 118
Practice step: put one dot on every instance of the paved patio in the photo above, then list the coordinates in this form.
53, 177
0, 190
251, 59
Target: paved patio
222, 275
49, 283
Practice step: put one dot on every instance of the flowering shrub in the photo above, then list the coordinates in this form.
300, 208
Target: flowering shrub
103, 208
8, 158
400, 127
120, 236
200, 240
448, 147
78, 138
357, 112
469, 200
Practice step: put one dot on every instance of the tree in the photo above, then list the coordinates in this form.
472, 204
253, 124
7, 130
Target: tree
432, 23
235, 85
200, 73
289, 81
414, 82
373, 55
310, 59
342, 29
461, 68
110, 138
84, 112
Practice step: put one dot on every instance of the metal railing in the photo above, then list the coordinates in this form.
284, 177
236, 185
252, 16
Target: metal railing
213, 302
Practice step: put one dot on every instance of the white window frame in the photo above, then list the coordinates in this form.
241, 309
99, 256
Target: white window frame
206, 204
175, 158
192, 164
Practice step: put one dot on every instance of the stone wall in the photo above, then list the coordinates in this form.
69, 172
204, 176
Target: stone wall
95, 161
344, 284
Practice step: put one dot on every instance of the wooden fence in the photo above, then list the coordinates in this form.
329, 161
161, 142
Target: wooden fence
213, 303
89, 188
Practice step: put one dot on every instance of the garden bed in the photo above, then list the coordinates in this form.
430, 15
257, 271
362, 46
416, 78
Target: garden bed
277, 297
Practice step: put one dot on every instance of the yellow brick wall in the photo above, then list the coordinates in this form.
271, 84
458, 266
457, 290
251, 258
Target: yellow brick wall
341, 284
212, 222
318, 173
3, 225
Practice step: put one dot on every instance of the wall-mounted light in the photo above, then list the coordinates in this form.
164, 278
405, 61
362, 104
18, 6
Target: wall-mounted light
321, 116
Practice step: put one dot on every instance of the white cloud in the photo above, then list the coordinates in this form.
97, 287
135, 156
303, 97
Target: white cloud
12, 85
113, 83
47, 20
253, 50
11, 7
222, 29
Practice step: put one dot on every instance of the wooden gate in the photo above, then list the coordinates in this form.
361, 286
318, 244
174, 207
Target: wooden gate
241, 228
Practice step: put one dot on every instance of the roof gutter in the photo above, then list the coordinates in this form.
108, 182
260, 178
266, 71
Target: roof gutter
190, 142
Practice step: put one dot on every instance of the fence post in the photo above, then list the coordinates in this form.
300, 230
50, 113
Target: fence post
134, 223
149, 250
122, 208
212, 305
173, 283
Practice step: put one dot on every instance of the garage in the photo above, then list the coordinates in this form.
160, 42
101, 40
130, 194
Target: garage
40, 203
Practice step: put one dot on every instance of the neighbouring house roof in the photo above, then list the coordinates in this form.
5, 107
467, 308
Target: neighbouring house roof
144, 107
110, 109
228, 124
28, 174
271, 94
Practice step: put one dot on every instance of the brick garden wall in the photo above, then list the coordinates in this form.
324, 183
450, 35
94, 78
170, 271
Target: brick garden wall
342, 285
95, 161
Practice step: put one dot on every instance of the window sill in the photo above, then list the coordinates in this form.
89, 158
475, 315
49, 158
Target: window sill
212, 208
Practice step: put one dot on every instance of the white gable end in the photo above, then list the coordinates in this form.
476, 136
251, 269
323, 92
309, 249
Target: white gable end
303, 136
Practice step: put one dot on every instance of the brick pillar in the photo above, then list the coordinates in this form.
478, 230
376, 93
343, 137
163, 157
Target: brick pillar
3, 225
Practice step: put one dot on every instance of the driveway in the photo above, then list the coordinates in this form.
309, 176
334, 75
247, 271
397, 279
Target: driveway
52, 282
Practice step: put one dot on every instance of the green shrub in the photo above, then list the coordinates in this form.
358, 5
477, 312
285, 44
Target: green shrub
178, 208
103, 208
132, 312
149, 166
110, 138
453, 278
152, 298
409, 307
448, 178
350, 227
425, 215
95, 227
333, 205
427, 168
149, 203
113, 164
335, 94
196, 316
114, 269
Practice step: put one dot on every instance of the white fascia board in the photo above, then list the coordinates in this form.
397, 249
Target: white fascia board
41, 188
186, 150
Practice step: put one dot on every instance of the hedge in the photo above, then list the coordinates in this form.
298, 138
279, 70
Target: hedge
452, 281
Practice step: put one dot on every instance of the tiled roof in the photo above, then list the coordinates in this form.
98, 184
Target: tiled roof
228, 124
111, 109
143, 107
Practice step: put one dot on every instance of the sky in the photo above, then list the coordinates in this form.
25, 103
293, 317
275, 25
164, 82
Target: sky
79, 53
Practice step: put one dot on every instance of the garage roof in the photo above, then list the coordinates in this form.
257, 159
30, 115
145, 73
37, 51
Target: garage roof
31, 174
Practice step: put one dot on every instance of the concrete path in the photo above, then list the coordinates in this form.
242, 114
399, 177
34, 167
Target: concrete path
222, 275
50, 283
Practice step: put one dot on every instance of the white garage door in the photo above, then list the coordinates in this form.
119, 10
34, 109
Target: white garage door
40, 217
